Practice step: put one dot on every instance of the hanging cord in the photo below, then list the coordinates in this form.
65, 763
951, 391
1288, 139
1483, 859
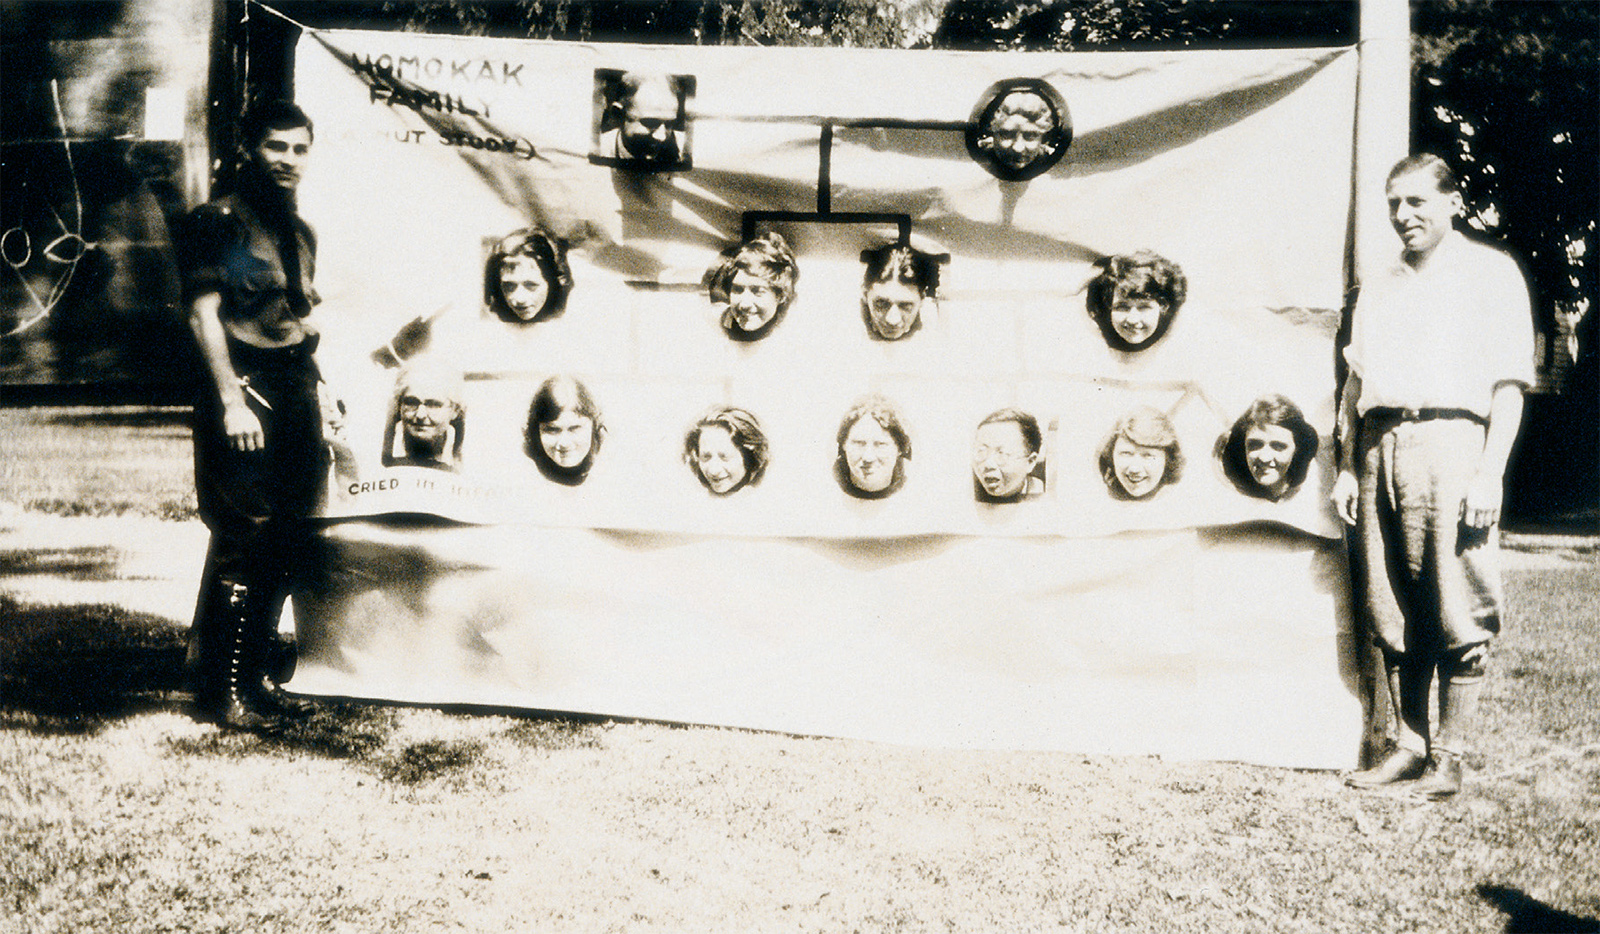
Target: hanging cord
286, 19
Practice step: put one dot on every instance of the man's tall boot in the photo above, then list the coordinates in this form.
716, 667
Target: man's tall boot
225, 660
278, 657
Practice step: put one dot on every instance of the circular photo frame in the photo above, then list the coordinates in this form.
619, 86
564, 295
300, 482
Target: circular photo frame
1020, 129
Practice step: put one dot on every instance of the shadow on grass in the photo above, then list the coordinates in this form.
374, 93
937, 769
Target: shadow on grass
332, 731
1526, 915
69, 669
75, 669
85, 563
168, 417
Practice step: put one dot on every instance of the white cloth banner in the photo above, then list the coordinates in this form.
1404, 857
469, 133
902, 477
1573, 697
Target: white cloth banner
925, 616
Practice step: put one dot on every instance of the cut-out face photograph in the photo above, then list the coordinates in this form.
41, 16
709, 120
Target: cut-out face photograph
564, 430
1141, 455
1268, 451
526, 277
727, 450
643, 121
428, 422
1134, 297
1006, 458
898, 289
752, 286
1020, 129
873, 450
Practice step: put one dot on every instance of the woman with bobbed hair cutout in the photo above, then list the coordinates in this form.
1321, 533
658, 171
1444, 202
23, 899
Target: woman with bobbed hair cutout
1134, 297
753, 285
1141, 455
1269, 449
526, 278
727, 450
564, 431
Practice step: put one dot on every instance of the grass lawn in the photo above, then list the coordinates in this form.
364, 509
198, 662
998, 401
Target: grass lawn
118, 814
97, 461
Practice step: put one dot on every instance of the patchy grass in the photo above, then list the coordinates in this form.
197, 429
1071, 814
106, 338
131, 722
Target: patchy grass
409, 819
420, 762
98, 461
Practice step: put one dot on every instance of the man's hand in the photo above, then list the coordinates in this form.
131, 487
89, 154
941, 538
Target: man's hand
1481, 507
243, 428
1346, 491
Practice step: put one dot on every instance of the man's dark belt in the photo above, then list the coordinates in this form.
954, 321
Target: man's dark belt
1391, 414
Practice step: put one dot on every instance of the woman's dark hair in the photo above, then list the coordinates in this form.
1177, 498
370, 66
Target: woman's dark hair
1140, 275
556, 395
767, 256
551, 255
1148, 428
1268, 410
882, 411
897, 262
745, 430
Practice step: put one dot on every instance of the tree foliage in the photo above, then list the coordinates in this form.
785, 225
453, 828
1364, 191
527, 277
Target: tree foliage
864, 23
1509, 92
1070, 25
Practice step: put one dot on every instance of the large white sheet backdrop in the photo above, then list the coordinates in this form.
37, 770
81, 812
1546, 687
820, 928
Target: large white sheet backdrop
1072, 621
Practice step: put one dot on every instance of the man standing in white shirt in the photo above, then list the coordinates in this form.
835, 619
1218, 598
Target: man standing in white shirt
1440, 353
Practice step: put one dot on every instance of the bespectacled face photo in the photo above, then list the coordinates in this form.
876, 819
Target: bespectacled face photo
1001, 461
426, 417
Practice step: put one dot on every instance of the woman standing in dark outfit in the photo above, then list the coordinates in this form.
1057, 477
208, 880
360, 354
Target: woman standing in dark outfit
260, 458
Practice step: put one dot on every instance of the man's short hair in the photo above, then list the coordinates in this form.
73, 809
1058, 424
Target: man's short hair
275, 114
1027, 424
1443, 176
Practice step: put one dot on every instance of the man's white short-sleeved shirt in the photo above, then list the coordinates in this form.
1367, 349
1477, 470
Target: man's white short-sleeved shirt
1445, 335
